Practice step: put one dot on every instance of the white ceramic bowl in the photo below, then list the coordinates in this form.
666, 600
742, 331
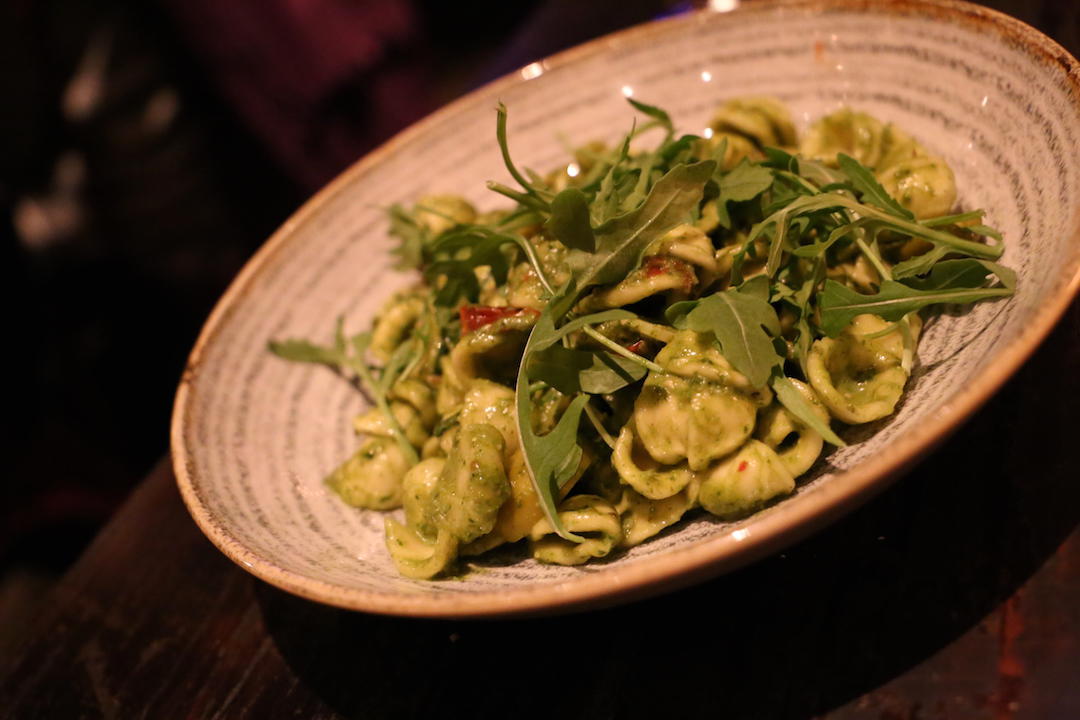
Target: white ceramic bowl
253, 436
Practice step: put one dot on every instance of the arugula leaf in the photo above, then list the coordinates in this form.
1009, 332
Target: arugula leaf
608, 198
817, 249
660, 116
559, 367
829, 202
956, 219
780, 222
986, 231
794, 402
458, 253
965, 273
299, 350
894, 300
550, 459
869, 189
645, 167
340, 360
678, 151
572, 371
412, 238
609, 372
619, 250
554, 336
743, 324
541, 194
920, 264
620, 244
780, 159
743, 183
569, 221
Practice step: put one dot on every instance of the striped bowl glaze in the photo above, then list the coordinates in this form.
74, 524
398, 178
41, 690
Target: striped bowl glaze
253, 435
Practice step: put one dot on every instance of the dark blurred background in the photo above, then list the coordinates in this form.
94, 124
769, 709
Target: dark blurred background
148, 148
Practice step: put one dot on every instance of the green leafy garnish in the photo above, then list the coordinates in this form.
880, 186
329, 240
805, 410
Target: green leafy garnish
622, 241
348, 356
742, 184
947, 283
869, 189
779, 254
744, 325
794, 402
569, 221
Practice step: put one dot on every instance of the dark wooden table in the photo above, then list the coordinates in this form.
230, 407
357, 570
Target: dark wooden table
954, 594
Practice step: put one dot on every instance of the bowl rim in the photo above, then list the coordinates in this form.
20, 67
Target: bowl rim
664, 572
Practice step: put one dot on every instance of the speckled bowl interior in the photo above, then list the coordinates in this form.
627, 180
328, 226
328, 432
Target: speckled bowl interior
253, 436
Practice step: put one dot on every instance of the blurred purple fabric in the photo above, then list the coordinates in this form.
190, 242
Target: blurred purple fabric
319, 81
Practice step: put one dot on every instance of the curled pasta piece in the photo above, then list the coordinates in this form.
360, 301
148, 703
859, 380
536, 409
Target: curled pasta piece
797, 445
643, 473
700, 409
417, 494
472, 485
753, 262
494, 350
691, 244
420, 396
744, 482
736, 149
924, 185
845, 131
518, 515
493, 404
657, 274
897, 147
589, 516
490, 403
413, 556
439, 213
432, 448
373, 422
859, 375
371, 478
691, 419
523, 287
692, 354
643, 518
710, 218
859, 274
450, 392
764, 120
522, 511
394, 323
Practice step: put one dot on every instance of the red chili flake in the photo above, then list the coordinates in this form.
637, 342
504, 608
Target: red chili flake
743, 465
638, 346
477, 316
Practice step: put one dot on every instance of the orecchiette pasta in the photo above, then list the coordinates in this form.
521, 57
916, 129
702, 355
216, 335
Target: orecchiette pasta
745, 481
925, 185
795, 443
859, 375
587, 515
648, 334
642, 518
371, 478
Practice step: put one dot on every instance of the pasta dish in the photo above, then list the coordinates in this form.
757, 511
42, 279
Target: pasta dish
669, 323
